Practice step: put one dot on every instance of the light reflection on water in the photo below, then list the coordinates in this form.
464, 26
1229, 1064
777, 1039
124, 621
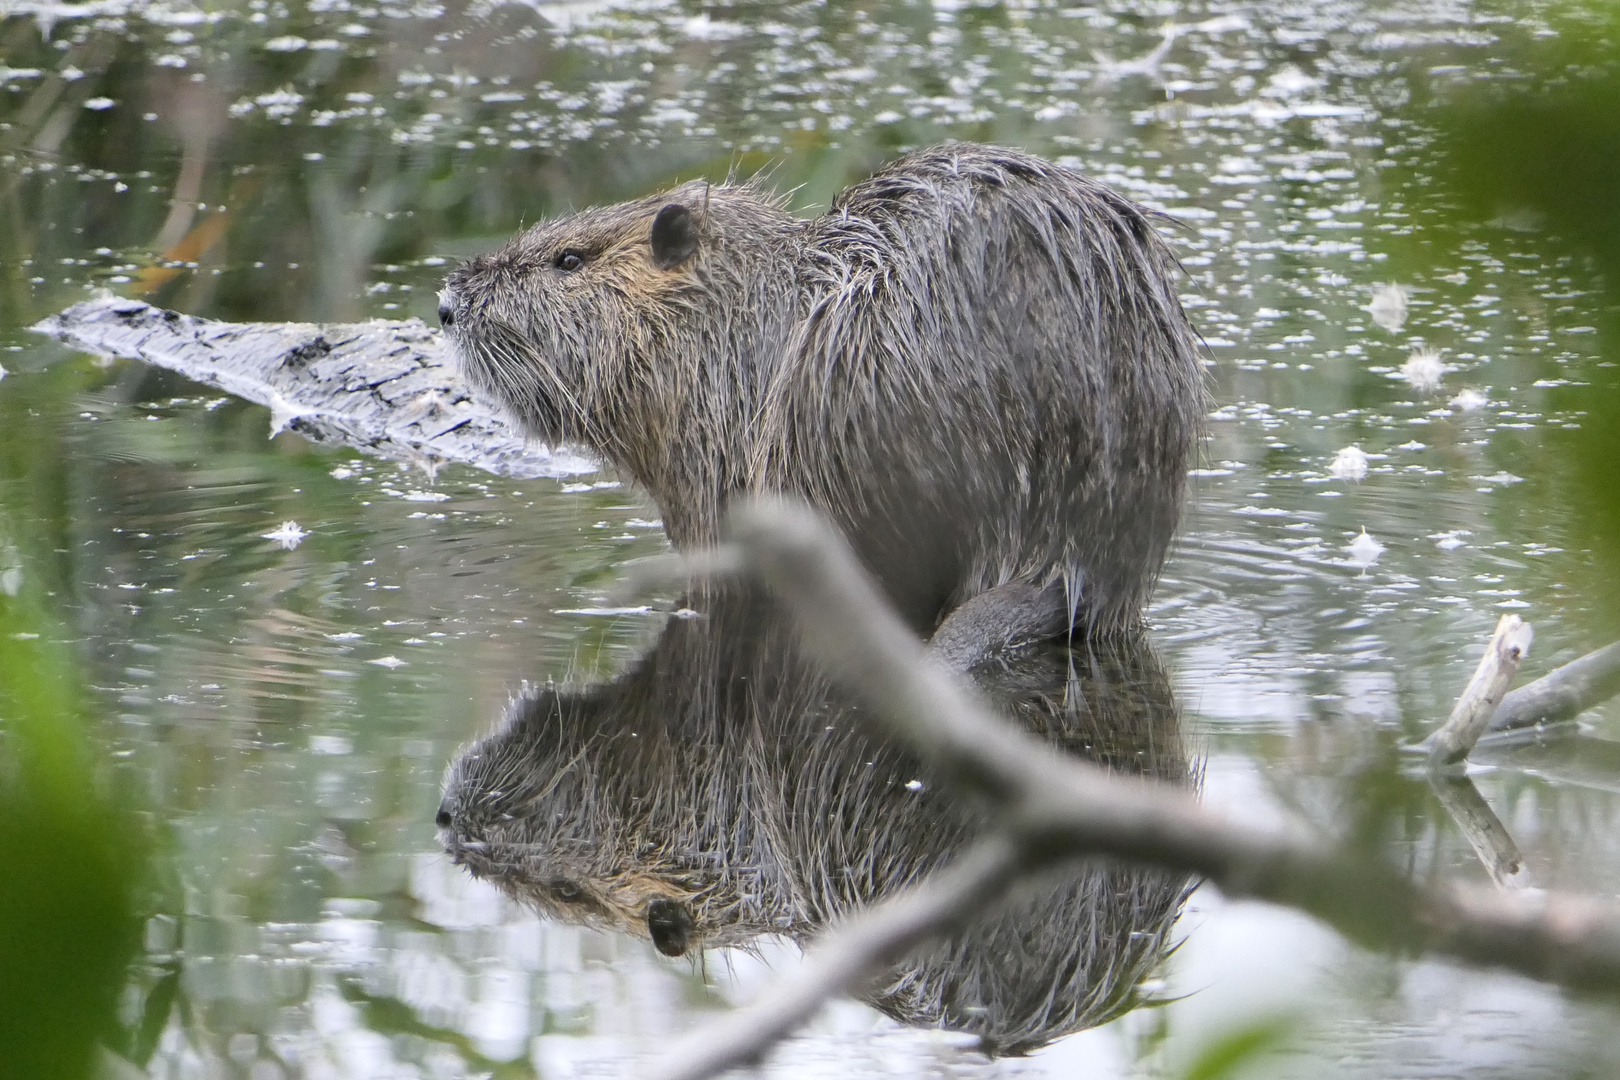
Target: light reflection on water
288, 714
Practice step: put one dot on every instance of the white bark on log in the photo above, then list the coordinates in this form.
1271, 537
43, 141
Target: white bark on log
387, 388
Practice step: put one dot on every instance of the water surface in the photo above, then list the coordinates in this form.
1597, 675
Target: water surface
287, 714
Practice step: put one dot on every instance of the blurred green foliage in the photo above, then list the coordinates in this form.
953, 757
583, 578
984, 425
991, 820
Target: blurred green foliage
72, 856
1239, 1051
1539, 148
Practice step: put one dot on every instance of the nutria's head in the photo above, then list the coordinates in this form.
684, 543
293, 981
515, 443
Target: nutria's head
638, 330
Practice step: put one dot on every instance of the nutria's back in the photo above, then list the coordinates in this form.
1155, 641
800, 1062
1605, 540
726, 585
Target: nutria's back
975, 361
1030, 411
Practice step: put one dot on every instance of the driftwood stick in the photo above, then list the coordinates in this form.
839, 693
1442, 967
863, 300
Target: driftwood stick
386, 388
1056, 807
1563, 693
1507, 647
847, 957
1482, 829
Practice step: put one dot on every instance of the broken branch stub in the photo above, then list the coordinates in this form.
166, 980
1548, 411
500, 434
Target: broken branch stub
1472, 714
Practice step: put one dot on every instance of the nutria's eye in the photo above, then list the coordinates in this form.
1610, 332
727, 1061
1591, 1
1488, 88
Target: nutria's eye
565, 890
569, 260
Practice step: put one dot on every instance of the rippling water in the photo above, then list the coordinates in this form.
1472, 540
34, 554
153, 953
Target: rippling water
287, 714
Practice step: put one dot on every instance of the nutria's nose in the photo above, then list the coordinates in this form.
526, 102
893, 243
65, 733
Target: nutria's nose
447, 317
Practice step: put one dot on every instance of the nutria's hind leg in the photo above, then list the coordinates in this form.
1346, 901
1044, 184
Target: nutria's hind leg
1003, 618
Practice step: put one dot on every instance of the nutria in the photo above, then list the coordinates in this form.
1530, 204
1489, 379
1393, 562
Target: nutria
975, 361
718, 790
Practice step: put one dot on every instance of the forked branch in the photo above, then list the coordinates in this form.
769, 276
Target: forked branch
1054, 807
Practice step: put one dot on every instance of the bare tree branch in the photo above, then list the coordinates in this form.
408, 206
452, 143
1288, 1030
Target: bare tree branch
387, 388
1055, 807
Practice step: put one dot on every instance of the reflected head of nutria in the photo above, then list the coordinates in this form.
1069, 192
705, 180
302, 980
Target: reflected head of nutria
642, 318
582, 819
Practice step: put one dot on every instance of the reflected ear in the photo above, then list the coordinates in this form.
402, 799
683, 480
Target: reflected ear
674, 236
670, 926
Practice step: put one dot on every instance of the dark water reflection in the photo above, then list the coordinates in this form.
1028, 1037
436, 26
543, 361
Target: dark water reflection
717, 791
286, 715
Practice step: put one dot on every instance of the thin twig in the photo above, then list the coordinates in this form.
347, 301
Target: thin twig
1058, 807
1507, 647
850, 955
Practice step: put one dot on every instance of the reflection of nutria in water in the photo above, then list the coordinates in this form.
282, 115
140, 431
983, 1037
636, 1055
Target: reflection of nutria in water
975, 362
718, 790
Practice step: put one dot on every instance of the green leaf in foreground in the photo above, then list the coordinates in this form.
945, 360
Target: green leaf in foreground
69, 859
1245, 1046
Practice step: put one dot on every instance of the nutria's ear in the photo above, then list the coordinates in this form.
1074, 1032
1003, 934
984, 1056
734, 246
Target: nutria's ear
674, 237
670, 925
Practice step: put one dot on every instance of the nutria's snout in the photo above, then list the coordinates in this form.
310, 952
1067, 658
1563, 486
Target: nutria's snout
453, 839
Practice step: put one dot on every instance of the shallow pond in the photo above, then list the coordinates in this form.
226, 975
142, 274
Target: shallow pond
286, 715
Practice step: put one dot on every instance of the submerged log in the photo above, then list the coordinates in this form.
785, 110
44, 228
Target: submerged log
387, 388
1562, 694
